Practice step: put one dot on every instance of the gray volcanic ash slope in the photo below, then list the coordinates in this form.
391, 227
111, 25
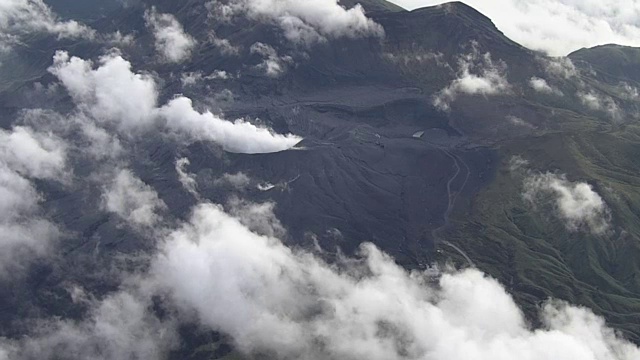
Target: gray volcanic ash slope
290, 179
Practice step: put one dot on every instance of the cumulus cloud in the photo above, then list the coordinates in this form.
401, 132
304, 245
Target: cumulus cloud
478, 74
269, 299
540, 85
110, 93
115, 96
273, 64
24, 232
19, 18
600, 102
558, 27
132, 200
34, 154
576, 202
171, 41
304, 22
273, 300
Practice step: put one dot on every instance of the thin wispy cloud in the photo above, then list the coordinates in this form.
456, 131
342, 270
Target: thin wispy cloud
21, 18
593, 100
132, 200
273, 65
187, 179
238, 181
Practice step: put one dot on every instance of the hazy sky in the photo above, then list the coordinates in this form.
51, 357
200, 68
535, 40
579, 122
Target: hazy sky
558, 26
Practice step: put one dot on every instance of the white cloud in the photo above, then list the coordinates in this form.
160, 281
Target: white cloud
558, 26
190, 78
187, 180
34, 154
576, 202
24, 232
305, 22
239, 136
224, 45
266, 186
600, 102
271, 299
477, 75
110, 93
561, 67
171, 41
113, 94
273, 65
418, 57
540, 85
219, 74
519, 122
118, 327
20, 18
81, 132
289, 304
223, 12
118, 39
101, 144
132, 200
628, 92
239, 181
194, 77
517, 163
258, 218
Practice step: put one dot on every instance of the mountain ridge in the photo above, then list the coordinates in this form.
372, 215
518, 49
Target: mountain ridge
380, 161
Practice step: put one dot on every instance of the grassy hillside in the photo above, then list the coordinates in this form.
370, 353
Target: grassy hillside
531, 251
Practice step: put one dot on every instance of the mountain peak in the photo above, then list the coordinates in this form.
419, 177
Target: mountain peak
613, 61
462, 11
372, 5
447, 27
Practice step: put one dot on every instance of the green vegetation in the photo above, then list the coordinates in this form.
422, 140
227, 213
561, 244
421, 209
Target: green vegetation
620, 62
532, 252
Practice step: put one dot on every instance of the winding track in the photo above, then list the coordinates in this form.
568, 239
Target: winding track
452, 201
